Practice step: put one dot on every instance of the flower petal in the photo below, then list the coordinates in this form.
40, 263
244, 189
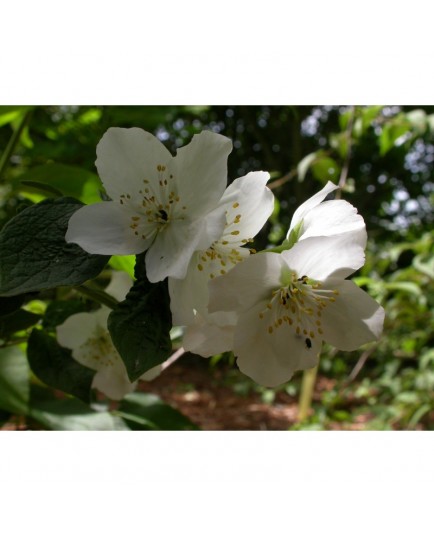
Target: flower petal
113, 382
247, 283
207, 339
76, 330
151, 374
201, 172
271, 359
312, 202
334, 217
249, 198
119, 285
171, 252
127, 156
189, 293
353, 319
326, 256
104, 228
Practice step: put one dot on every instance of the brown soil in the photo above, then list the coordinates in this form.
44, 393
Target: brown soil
202, 395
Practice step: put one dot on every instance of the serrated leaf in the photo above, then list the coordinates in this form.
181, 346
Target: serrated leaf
55, 366
34, 255
14, 380
140, 327
144, 411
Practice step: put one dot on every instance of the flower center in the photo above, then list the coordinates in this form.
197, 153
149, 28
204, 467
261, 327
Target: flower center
228, 250
300, 304
157, 205
100, 350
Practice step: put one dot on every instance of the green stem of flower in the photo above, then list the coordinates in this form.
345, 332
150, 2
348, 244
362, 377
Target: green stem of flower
13, 142
97, 295
307, 387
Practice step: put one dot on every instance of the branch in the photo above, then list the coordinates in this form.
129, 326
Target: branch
345, 167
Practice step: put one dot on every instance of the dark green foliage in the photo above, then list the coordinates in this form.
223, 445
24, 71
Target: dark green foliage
56, 367
144, 411
17, 321
8, 305
140, 326
34, 255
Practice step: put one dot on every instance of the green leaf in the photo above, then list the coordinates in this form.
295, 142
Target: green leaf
8, 114
391, 132
418, 120
14, 380
56, 367
70, 180
344, 119
17, 321
369, 113
123, 263
405, 286
425, 264
430, 120
34, 255
140, 327
325, 169
72, 415
143, 411
340, 142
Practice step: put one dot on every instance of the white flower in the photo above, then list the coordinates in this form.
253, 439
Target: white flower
288, 303
158, 201
86, 334
328, 218
246, 205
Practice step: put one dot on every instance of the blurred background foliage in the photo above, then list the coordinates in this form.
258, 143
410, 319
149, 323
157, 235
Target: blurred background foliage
383, 156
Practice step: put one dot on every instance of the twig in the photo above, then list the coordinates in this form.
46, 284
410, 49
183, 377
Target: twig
286, 178
15, 138
344, 172
306, 393
97, 295
174, 357
359, 365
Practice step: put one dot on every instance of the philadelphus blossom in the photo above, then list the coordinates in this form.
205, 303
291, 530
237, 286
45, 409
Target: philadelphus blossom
316, 217
86, 334
288, 303
158, 201
246, 205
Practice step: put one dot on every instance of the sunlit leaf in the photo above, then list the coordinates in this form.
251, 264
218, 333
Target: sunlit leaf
71, 181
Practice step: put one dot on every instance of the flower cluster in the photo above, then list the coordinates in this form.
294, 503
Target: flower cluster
273, 309
86, 334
